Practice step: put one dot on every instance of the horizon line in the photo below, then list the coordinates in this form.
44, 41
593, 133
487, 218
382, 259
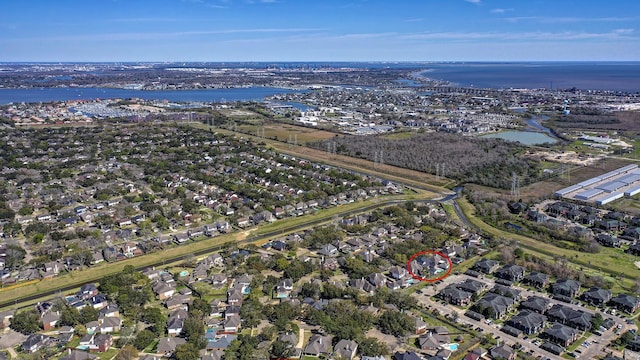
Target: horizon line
307, 61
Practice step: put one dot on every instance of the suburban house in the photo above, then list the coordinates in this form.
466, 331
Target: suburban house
345, 349
536, 279
318, 345
560, 334
528, 322
624, 302
511, 272
566, 287
597, 296
486, 266
167, 345
567, 316
536, 303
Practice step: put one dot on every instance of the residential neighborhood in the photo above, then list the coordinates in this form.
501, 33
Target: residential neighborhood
76, 197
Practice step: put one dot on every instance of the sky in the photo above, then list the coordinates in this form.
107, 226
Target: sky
319, 30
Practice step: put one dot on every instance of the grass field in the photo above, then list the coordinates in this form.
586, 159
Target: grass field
612, 264
287, 132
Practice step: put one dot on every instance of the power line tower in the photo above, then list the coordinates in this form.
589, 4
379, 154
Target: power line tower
515, 186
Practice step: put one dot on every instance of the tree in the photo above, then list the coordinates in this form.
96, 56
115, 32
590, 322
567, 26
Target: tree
144, 339
403, 300
69, 316
597, 320
25, 210
310, 289
252, 312
281, 350
200, 308
14, 256
88, 313
127, 353
187, 351
395, 323
157, 320
372, 347
26, 322
193, 331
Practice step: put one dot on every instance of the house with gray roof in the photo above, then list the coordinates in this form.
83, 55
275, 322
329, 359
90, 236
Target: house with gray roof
528, 322
511, 272
486, 266
626, 303
565, 315
167, 345
597, 296
493, 305
536, 303
318, 345
345, 349
502, 352
560, 334
566, 287
454, 295
536, 279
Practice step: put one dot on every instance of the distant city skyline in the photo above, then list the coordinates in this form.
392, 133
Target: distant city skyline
327, 30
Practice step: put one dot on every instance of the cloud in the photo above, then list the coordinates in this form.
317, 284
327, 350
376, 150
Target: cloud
620, 34
477, 2
500, 11
414, 20
139, 20
147, 36
558, 20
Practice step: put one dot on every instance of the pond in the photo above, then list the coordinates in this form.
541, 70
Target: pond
523, 137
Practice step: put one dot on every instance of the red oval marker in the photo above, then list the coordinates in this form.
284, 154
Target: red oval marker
429, 252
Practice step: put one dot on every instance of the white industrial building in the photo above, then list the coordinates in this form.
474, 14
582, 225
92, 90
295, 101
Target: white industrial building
605, 188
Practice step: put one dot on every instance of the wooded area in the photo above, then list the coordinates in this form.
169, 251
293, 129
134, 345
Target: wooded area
487, 162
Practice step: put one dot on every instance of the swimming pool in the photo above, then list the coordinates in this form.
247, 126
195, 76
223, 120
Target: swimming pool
451, 347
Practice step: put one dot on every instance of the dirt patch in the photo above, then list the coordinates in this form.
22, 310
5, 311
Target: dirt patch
567, 157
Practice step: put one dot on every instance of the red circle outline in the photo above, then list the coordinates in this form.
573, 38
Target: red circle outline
426, 252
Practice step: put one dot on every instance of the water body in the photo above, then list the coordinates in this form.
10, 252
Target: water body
613, 76
534, 123
8, 96
300, 106
523, 137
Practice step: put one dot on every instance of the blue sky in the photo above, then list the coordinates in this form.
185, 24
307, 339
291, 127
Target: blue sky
319, 30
